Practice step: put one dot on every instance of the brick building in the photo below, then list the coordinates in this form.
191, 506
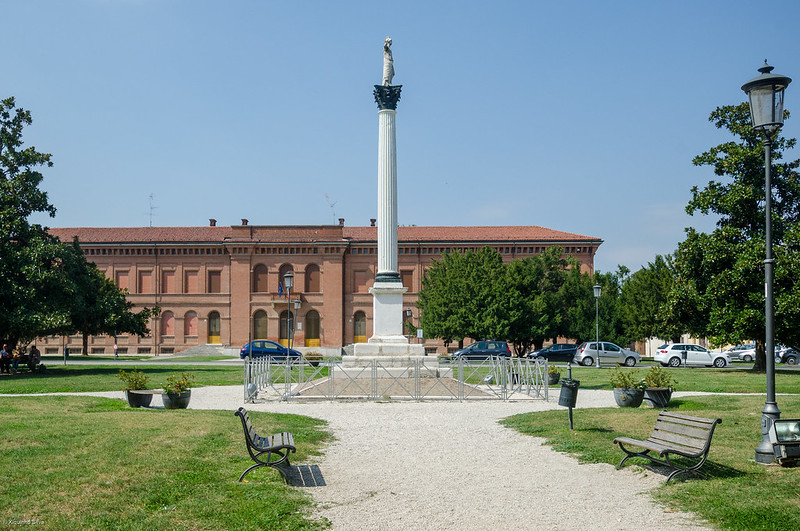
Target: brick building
220, 284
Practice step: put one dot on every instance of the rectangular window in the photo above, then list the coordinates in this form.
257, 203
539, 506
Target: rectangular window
145, 282
215, 282
408, 279
360, 282
190, 284
168, 282
121, 278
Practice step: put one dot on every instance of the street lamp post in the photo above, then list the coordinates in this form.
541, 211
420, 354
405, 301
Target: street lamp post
766, 110
407, 315
597, 290
288, 282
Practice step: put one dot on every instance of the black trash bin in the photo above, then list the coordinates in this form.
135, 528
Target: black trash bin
569, 392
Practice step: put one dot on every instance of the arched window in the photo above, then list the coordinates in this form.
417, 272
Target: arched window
190, 324
260, 325
260, 279
286, 325
214, 327
312, 329
167, 324
313, 280
359, 328
285, 268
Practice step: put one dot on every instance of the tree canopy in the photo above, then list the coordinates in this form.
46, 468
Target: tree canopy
718, 290
46, 286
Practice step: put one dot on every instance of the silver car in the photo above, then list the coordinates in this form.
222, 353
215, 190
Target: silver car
587, 354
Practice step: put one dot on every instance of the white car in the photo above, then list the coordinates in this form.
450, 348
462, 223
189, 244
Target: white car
677, 354
587, 353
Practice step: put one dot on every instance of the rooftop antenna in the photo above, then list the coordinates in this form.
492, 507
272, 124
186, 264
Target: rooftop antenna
152, 195
331, 204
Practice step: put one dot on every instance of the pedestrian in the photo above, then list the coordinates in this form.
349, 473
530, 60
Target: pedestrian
5, 360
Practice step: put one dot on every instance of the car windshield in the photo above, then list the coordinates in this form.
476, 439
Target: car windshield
662, 347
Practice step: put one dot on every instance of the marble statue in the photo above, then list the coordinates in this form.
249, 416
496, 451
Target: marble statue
388, 62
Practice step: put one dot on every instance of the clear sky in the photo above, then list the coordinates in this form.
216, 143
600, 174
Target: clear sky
580, 116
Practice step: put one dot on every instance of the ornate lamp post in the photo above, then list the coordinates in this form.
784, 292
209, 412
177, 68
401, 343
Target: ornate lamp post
288, 282
766, 110
597, 290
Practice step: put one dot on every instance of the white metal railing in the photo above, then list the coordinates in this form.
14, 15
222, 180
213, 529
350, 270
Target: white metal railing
333, 378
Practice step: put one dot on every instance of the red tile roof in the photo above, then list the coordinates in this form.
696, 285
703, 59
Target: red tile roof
312, 233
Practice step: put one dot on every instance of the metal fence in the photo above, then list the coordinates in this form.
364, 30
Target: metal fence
497, 378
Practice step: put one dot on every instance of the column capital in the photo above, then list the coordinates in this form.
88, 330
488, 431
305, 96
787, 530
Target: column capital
387, 96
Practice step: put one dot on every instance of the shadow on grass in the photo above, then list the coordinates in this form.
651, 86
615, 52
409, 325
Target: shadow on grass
710, 469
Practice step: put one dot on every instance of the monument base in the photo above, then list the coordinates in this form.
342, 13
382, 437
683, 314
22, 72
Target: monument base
391, 351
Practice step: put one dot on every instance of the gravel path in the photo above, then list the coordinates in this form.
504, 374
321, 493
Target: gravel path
450, 465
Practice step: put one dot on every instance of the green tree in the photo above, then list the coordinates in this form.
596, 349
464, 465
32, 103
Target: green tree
642, 297
95, 304
29, 256
462, 296
719, 277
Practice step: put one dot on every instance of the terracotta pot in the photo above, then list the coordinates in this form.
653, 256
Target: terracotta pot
138, 399
628, 397
176, 400
657, 397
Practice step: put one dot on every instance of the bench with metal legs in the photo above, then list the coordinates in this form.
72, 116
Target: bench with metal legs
276, 447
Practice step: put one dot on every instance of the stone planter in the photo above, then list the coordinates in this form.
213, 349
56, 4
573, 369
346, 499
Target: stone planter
628, 397
176, 400
657, 397
139, 397
553, 379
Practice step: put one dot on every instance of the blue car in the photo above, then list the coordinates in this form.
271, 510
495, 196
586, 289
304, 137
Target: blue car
263, 348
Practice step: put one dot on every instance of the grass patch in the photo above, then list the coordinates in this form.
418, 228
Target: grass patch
84, 463
740, 494
81, 378
700, 379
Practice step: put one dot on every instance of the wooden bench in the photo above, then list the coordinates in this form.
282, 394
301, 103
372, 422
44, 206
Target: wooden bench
676, 434
277, 447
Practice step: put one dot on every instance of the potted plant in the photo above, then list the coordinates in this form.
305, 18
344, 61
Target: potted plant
553, 374
177, 391
131, 383
660, 385
313, 358
628, 387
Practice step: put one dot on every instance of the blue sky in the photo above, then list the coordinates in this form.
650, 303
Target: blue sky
579, 116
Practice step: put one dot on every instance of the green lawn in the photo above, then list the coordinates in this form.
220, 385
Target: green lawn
740, 495
79, 378
699, 379
74, 463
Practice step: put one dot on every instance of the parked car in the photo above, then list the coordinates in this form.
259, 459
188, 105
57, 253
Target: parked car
742, 352
787, 355
263, 348
556, 352
481, 350
677, 354
586, 354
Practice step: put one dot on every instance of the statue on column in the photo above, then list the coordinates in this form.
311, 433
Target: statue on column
388, 62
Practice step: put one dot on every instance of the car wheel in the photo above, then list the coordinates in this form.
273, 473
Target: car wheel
719, 363
675, 362
791, 360
587, 362
748, 358
630, 361
777, 359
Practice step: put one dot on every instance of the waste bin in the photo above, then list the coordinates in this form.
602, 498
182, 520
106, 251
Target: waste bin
569, 392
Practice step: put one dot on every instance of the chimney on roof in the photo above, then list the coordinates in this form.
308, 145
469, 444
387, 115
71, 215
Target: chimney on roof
244, 221
372, 222
341, 222
212, 222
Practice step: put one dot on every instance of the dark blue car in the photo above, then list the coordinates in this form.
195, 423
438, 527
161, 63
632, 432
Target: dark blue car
262, 348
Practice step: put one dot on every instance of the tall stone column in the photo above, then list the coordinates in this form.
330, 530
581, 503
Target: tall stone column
387, 292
